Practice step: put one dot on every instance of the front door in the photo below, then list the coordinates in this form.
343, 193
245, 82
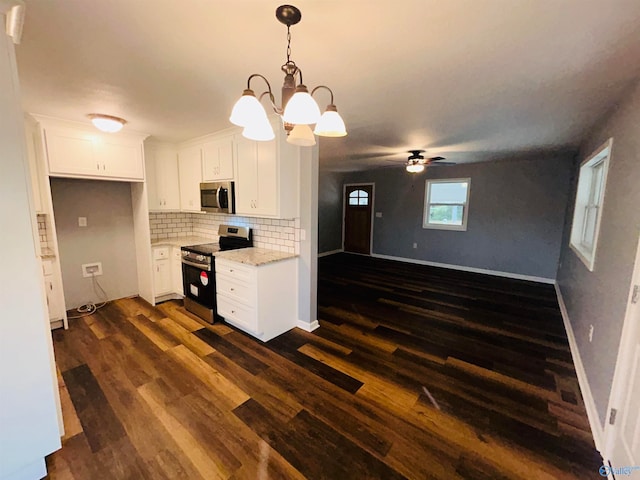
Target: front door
623, 437
357, 218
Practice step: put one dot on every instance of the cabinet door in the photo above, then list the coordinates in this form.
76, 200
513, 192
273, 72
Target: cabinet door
167, 179
119, 160
151, 174
267, 169
71, 152
55, 302
190, 168
162, 277
246, 176
176, 271
217, 160
161, 168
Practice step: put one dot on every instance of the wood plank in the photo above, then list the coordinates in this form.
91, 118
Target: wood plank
185, 337
227, 391
100, 424
160, 338
204, 464
334, 456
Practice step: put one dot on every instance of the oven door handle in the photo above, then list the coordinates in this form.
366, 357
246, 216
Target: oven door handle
197, 265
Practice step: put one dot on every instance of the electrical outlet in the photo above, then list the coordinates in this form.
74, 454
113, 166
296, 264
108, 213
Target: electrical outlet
591, 329
378, 214
82, 221
415, 245
92, 269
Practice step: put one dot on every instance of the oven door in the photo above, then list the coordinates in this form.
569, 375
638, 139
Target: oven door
199, 282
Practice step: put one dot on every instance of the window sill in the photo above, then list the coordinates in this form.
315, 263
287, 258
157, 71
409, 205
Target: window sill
586, 258
432, 226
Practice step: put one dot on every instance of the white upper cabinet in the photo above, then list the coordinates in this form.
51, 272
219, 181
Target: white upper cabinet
190, 173
78, 150
163, 188
217, 159
267, 177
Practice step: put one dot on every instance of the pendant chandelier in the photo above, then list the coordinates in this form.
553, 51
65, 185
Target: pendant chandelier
298, 111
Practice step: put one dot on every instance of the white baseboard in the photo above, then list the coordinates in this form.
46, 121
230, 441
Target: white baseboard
308, 327
516, 276
589, 403
331, 252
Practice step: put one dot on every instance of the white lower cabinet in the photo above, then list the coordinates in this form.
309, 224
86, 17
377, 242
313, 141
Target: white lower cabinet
260, 300
161, 271
53, 289
167, 272
176, 270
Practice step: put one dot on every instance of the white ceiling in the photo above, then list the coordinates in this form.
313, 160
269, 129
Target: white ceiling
470, 80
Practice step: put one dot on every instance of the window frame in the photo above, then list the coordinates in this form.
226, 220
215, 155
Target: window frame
428, 204
585, 189
358, 197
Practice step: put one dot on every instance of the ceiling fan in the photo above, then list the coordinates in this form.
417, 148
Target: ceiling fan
416, 162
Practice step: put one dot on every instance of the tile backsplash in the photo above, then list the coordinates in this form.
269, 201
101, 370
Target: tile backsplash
42, 230
170, 225
273, 234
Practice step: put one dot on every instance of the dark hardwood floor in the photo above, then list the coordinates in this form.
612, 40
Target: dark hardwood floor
416, 372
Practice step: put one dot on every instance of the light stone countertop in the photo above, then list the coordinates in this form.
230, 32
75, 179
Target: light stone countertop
181, 241
47, 252
254, 256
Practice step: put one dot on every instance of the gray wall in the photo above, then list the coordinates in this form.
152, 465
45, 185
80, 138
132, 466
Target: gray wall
330, 211
516, 215
599, 298
108, 238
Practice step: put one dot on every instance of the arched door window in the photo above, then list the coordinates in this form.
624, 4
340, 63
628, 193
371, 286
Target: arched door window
359, 197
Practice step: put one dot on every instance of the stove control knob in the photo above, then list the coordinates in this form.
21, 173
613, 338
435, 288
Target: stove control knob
200, 258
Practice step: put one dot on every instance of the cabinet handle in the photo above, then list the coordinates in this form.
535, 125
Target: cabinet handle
230, 270
104, 167
233, 311
51, 287
98, 166
232, 289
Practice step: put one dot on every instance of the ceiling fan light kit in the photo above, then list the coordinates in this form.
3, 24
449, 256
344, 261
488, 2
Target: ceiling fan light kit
416, 162
298, 111
107, 123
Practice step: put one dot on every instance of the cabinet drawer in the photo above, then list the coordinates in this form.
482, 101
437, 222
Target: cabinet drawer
160, 253
238, 314
236, 271
241, 291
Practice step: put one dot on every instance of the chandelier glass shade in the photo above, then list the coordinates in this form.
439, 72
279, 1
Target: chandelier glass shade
299, 110
415, 167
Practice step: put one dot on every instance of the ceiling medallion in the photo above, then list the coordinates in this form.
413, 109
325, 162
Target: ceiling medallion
298, 111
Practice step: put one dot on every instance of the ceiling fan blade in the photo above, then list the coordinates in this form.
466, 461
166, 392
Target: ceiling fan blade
443, 164
435, 159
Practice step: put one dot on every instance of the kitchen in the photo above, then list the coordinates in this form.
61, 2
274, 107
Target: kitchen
112, 227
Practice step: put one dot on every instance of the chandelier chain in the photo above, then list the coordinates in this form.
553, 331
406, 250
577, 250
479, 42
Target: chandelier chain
288, 44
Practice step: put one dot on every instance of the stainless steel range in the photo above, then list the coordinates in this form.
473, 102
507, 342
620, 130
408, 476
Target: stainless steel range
198, 270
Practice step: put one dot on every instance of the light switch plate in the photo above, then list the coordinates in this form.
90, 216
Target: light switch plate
82, 221
378, 214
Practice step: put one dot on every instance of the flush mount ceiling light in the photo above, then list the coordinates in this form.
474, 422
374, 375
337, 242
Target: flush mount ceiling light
107, 123
298, 111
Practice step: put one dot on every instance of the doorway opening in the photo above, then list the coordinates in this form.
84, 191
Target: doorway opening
358, 218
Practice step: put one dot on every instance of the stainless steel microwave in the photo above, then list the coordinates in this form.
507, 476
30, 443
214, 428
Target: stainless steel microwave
218, 197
